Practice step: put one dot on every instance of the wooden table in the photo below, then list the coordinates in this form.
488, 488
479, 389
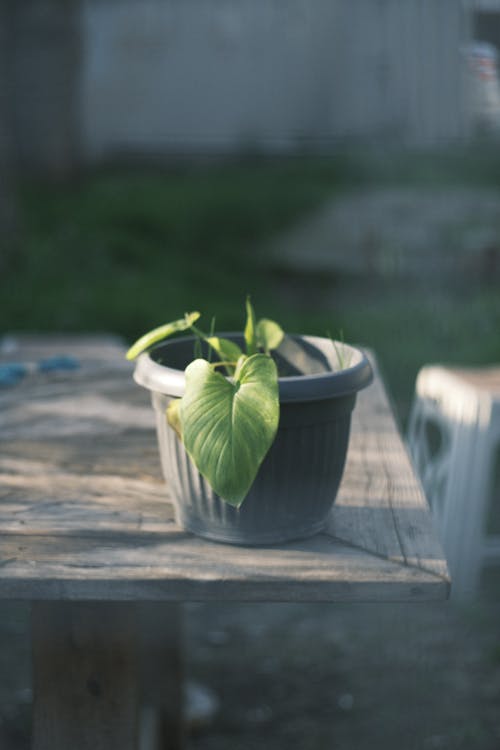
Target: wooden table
87, 535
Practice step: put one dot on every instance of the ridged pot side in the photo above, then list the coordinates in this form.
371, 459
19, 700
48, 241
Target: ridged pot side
294, 488
297, 482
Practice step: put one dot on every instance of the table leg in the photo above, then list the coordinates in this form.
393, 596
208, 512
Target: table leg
85, 676
162, 674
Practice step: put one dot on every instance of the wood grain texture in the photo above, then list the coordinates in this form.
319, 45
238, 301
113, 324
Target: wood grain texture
84, 512
381, 505
85, 676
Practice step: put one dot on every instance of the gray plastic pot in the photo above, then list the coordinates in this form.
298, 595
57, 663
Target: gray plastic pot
298, 480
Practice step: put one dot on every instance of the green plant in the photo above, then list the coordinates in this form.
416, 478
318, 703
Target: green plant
226, 422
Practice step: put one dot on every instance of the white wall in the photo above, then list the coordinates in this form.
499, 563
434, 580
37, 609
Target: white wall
399, 70
220, 75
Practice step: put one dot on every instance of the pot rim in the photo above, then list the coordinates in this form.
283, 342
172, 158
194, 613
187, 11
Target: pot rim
170, 381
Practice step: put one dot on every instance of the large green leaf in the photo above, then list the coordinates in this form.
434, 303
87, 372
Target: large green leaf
229, 425
160, 333
269, 334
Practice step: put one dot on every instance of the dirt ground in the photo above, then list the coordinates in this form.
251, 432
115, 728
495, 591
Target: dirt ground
318, 677
345, 677
398, 232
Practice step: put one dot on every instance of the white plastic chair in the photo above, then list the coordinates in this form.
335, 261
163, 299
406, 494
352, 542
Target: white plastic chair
454, 441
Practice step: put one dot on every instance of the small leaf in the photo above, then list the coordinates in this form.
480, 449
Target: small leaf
229, 425
269, 334
250, 329
160, 333
174, 417
227, 350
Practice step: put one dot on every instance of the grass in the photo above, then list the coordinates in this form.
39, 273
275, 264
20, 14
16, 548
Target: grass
410, 326
127, 250
124, 250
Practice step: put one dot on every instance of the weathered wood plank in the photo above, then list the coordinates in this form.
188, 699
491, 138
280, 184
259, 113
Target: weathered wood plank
84, 511
381, 505
179, 567
27, 347
85, 676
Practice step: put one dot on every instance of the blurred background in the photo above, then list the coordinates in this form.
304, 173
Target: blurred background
340, 161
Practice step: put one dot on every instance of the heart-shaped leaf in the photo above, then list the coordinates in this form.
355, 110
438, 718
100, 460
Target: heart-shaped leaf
269, 334
229, 425
160, 333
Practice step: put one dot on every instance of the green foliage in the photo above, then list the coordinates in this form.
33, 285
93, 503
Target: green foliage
227, 424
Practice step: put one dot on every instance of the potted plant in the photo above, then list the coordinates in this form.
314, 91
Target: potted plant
253, 427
